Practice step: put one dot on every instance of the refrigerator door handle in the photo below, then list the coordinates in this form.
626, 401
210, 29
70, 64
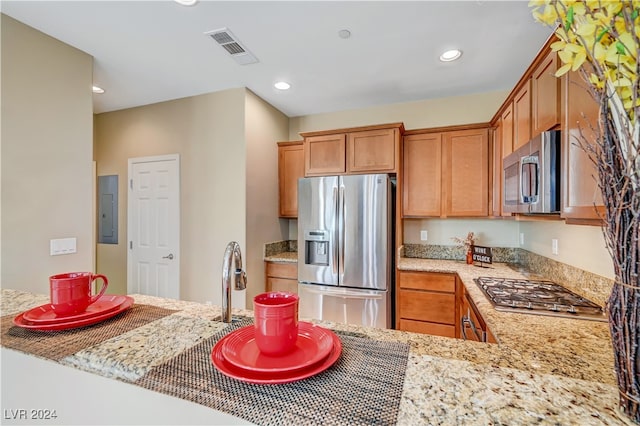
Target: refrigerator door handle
342, 234
344, 293
335, 242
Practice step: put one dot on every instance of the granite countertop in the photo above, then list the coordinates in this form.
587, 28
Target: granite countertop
547, 371
285, 256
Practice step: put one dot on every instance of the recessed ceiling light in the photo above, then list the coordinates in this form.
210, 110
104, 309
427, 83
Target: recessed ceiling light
282, 85
97, 89
344, 33
186, 2
450, 55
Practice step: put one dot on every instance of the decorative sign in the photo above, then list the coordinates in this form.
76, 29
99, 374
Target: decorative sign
482, 254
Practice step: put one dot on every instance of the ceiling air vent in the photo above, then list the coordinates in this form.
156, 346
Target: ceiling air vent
230, 43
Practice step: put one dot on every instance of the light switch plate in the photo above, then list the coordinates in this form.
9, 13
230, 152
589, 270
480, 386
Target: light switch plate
62, 246
423, 235
554, 246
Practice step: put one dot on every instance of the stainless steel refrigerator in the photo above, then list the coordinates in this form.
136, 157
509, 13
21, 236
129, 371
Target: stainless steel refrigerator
345, 249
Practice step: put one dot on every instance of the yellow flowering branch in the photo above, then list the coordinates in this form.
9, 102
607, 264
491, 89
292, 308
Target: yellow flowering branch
601, 39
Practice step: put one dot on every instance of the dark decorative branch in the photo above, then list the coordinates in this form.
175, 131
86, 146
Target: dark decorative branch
622, 234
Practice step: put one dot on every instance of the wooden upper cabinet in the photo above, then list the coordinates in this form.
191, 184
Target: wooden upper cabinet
506, 130
581, 197
465, 161
446, 173
357, 150
522, 116
372, 151
325, 155
290, 169
545, 112
422, 174
495, 183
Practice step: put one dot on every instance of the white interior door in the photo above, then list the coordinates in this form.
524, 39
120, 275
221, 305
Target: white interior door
153, 261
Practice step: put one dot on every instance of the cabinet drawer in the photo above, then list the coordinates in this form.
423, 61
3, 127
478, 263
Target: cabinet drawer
282, 270
428, 281
428, 328
282, 284
428, 306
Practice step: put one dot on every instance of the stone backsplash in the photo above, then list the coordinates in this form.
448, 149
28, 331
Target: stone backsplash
594, 287
276, 247
423, 251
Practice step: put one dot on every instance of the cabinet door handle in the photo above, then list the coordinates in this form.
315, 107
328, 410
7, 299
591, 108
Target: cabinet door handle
465, 320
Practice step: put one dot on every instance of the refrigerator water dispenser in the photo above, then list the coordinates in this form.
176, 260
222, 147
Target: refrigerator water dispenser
316, 248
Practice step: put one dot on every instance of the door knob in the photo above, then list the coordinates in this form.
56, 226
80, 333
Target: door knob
170, 256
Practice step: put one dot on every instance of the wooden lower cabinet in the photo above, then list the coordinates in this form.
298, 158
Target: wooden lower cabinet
281, 276
472, 325
426, 303
438, 304
428, 306
428, 328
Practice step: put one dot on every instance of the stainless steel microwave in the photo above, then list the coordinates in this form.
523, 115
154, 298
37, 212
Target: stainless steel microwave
532, 176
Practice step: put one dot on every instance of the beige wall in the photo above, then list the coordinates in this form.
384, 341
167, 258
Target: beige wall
492, 233
477, 108
47, 182
579, 246
264, 125
208, 132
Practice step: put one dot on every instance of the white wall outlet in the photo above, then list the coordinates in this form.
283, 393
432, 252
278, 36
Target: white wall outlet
62, 246
423, 235
554, 246
522, 238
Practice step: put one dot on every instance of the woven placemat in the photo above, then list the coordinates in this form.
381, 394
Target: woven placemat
364, 387
56, 345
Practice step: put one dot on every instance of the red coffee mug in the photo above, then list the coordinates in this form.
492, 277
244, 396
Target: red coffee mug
71, 292
276, 322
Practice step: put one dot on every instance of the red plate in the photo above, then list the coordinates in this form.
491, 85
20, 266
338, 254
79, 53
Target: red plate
45, 315
271, 378
313, 345
21, 322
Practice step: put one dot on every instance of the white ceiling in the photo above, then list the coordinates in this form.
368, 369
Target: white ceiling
152, 51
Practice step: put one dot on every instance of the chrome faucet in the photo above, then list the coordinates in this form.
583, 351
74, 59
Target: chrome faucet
240, 277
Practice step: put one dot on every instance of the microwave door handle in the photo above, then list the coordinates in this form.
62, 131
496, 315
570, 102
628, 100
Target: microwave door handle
521, 181
525, 186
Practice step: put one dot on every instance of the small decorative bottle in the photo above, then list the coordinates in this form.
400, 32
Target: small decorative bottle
469, 257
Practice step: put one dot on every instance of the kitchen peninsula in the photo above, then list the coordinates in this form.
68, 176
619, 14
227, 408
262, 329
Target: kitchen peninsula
543, 370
